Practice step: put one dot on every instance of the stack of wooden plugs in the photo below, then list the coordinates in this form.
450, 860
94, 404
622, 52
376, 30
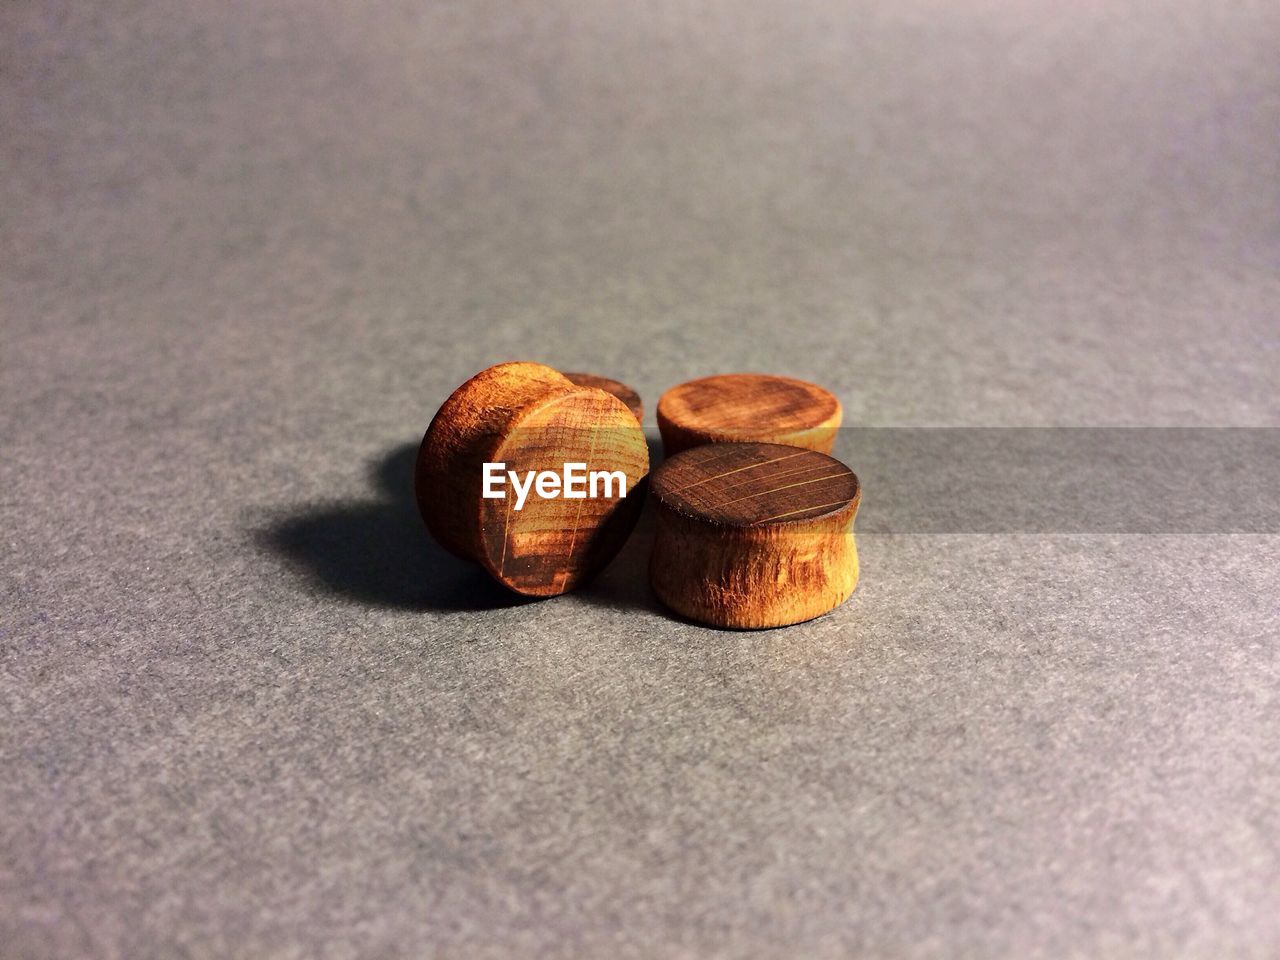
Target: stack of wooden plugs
754, 517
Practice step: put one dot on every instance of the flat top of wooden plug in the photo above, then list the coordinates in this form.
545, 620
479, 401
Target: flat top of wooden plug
734, 403
618, 389
552, 545
754, 484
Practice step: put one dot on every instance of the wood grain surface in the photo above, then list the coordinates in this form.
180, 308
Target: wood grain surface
748, 407
530, 418
620, 390
754, 534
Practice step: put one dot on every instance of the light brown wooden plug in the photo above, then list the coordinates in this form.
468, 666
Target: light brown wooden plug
739, 407
529, 417
753, 534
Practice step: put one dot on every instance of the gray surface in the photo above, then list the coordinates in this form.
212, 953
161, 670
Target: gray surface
248, 711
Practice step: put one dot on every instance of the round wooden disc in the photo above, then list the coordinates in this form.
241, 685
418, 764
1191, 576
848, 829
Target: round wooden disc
528, 417
553, 545
756, 484
748, 407
754, 534
618, 389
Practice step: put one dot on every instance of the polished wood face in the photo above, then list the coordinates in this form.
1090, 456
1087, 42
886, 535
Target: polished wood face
754, 534
748, 407
618, 389
552, 545
754, 484
530, 418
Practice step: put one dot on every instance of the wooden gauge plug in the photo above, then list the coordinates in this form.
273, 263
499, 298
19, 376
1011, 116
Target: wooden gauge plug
753, 534
748, 407
520, 426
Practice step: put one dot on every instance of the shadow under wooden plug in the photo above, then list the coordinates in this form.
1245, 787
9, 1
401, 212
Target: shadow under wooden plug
378, 552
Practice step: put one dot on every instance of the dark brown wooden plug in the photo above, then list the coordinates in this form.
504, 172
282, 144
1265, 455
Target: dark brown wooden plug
619, 390
739, 407
535, 423
754, 534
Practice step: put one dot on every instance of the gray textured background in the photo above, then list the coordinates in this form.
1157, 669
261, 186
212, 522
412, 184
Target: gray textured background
247, 249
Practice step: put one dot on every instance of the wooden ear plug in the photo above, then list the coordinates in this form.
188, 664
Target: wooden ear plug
754, 534
532, 476
748, 407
